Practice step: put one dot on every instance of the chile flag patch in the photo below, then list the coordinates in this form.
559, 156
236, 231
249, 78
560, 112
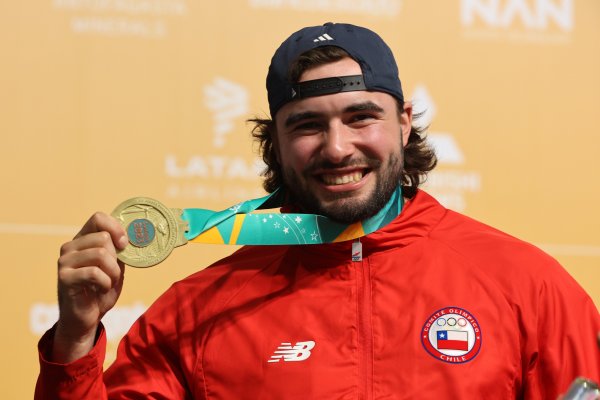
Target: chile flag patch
452, 335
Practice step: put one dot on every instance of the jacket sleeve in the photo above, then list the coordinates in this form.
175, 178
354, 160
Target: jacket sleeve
80, 379
147, 363
562, 342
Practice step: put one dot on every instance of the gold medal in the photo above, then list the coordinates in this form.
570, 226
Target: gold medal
153, 231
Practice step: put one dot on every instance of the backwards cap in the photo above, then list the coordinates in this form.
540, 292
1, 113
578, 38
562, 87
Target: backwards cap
379, 69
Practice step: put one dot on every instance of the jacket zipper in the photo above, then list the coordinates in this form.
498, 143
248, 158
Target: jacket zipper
365, 328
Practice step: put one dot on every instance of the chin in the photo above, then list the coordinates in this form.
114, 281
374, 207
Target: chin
348, 210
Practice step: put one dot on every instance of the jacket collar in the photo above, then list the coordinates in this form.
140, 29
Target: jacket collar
417, 219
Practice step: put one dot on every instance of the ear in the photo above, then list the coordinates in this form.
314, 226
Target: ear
406, 122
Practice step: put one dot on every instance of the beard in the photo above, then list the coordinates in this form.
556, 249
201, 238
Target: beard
344, 207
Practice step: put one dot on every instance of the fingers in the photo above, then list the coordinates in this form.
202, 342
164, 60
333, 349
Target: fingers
85, 278
90, 259
101, 222
95, 266
90, 279
90, 241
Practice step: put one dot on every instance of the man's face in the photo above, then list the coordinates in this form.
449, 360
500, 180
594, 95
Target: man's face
341, 153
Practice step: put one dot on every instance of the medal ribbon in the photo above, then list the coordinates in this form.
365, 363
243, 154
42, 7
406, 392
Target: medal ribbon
239, 224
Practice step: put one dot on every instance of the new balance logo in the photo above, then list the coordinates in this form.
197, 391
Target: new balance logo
323, 38
298, 352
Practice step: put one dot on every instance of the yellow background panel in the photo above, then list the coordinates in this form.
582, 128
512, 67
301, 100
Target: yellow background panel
105, 100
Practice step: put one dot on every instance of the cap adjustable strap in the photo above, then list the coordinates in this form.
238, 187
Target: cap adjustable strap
320, 87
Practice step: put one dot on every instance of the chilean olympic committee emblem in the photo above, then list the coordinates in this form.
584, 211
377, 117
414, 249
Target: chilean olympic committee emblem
452, 335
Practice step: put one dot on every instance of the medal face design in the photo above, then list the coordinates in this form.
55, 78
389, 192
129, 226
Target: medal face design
452, 335
153, 231
141, 232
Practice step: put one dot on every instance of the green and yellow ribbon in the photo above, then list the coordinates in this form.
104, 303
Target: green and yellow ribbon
240, 224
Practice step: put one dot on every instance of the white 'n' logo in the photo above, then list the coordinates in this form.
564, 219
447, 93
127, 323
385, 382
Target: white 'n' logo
298, 352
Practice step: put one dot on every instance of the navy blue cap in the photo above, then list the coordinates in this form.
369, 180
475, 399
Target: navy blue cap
379, 69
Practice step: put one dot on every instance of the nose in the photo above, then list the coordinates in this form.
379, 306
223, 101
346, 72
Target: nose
337, 143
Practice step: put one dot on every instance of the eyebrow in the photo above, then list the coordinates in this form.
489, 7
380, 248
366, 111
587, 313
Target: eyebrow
364, 106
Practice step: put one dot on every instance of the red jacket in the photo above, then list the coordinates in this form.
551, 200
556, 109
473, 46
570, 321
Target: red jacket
440, 306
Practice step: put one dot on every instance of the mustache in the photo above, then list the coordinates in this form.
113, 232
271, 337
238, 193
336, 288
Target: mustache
316, 165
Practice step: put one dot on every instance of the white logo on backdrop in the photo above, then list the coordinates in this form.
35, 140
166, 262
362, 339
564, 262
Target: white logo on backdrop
212, 166
446, 148
380, 8
227, 101
117, 321
213, 177
141, 18
448, 183
544, 21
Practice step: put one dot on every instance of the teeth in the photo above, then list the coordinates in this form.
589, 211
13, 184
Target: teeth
342, 179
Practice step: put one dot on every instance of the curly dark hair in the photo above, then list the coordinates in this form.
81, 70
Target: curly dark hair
418, 156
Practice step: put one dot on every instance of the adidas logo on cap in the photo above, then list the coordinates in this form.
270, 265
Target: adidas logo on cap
323, 38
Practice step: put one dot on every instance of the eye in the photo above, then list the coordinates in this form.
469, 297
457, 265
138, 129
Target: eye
308, 126
362, 117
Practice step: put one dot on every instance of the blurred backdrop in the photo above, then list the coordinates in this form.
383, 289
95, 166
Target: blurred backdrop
102, 100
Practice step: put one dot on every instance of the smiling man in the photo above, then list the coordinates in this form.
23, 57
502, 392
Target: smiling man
431, 305
341, 156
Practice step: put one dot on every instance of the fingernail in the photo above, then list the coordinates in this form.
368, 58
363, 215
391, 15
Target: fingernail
123, 242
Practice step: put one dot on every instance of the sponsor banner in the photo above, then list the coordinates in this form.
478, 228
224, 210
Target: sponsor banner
378, 8
540, 21
450, 182
137, 18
